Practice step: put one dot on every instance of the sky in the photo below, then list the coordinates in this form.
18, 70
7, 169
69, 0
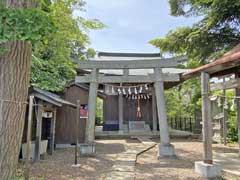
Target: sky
131, 24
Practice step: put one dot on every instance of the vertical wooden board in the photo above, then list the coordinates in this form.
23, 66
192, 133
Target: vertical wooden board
120, 111
53, 129
66, 117
38, 130
29, 137
111, 109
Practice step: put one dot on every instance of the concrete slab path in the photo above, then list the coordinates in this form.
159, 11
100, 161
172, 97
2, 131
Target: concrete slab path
124, 167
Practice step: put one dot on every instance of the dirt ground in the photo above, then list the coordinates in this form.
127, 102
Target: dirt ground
58, 166
181, 168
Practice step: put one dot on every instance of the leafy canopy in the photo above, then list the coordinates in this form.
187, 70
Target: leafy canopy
217, 31
53, 64
58, 37
24, 24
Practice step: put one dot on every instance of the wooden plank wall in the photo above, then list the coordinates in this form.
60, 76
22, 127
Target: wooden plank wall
110, 109
65, 123
129, 110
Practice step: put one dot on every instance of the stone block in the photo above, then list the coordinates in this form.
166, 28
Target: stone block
208, 170
87, 149
136, 125
166, 150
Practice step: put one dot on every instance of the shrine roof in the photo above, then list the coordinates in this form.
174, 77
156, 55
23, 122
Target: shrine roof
221, 66
111, 56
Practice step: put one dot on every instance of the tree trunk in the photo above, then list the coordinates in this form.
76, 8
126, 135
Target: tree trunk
14, 81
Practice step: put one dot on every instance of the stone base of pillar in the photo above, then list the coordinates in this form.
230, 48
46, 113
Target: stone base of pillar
208, 170
87, 149
120, 132
166, 150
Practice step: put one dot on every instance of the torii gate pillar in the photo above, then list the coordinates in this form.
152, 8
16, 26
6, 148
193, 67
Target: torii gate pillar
92, 100
165, 148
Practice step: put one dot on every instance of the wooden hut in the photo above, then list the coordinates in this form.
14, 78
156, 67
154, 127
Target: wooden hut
46, 107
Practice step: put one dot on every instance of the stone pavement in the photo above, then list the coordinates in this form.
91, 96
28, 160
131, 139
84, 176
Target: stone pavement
230, 162
124, 167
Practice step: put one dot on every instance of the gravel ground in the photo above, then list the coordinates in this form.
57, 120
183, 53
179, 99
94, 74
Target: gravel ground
58, 166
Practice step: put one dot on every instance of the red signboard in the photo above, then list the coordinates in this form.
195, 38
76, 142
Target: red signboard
84, 111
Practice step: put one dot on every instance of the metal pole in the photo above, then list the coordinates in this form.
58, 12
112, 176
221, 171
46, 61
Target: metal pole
76, 134
29, 135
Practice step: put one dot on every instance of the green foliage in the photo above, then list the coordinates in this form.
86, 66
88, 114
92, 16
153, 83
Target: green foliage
54, 65
217, 31
24, 24
183, 100
59, 39
51, 75
99, 111
232, 134
232, 131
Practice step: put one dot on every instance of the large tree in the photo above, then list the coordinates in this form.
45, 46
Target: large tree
55, 37
15, 64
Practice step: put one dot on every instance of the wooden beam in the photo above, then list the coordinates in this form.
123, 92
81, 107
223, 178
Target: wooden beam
224, 120
231, 84
130, 64
52, 133
207, 123
237, 93
128, 79
29, 137
38, 130
120, 111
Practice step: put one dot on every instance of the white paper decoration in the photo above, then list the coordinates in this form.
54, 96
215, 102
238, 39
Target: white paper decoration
135, 90
146, 87
129, 91
124, 91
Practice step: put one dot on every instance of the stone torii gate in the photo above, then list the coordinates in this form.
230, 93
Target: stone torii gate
158, 78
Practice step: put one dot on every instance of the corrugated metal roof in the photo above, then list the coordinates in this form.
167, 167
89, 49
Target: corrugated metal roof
50, 97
